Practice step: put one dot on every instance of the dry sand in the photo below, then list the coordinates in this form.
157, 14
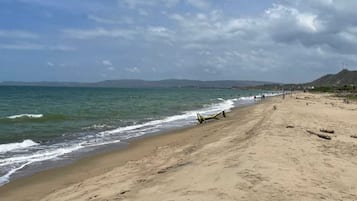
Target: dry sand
251, 155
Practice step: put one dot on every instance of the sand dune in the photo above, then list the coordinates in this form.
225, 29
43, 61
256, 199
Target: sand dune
256, 153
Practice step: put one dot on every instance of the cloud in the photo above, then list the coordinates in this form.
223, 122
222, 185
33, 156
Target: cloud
61, 48
149, 3
50, 64
160, 33
291, 40
34, 46
133, 70
22, 46
99, 32
134, 4
17, 34
107, 63
110, 68
201, 4
151, 33
112, 20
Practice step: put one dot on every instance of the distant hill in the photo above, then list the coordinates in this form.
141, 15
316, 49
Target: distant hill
344, 77
170, 83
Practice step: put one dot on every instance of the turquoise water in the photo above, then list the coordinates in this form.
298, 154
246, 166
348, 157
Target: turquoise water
45, 123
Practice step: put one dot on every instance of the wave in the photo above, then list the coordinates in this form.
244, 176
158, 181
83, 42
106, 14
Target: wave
18, 162
16, 146
33, 116
140, 129
259, 96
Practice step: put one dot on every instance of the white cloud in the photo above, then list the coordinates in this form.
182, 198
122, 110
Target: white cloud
34, 46
149, 3
143, 12
110, 68
17, 34
100, 32
107, 63
133, 70
160, 32
50, 64
111, 20
61, 48
201, 4
22, 46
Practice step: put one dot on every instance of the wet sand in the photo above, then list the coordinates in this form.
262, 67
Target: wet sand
256, 153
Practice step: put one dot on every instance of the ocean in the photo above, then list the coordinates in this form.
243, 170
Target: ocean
42, 124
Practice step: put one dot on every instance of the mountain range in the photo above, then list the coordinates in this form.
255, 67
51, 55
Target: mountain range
344, 77
170, 83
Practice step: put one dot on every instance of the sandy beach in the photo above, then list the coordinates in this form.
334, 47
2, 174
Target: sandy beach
259, 152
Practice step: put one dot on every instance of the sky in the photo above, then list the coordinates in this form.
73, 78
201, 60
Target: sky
289, 41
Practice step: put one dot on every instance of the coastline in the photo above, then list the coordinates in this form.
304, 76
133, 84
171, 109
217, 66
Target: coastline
33, 155
229, 159
78, 170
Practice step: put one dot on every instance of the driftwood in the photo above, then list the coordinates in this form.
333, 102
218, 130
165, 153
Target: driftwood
201, 118
353, 136
327, 130
173, 167
323, 136
289, 126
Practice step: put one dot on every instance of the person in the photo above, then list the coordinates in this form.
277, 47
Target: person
283, 94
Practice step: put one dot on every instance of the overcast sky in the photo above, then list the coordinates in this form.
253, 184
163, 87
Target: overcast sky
91, 40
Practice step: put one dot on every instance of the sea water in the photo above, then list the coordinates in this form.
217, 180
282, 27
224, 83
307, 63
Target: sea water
39, 124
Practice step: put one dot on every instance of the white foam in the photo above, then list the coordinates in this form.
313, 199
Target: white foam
41, 155
20, 162
34, 116
247, 98
17, 145
153, 125
6, 178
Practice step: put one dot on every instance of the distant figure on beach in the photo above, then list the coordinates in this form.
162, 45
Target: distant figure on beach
255, 97
283, 94
263, 96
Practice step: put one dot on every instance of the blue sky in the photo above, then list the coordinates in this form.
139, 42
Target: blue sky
93, 40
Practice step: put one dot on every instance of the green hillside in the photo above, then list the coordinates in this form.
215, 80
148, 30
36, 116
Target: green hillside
344, 77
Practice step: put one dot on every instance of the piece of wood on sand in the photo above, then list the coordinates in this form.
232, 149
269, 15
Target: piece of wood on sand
327, 130
353, 136
201, 118
323, 136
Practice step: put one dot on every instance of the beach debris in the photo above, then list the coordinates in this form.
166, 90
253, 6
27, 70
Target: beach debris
323, 136
173, 167
353, 136
123, 192
327, 130
201, 118
290, 126
141, 180
346, 101
274, 107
